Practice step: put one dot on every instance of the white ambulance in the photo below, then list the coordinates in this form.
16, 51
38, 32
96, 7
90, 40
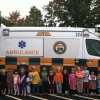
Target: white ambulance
56, 46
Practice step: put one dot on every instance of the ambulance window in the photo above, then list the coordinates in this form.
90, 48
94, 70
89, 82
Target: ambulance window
93, 47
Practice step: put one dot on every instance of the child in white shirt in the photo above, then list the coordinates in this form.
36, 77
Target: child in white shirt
15, 82
29, 81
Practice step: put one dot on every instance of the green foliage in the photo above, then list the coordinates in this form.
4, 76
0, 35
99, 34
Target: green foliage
49, 19
74, 13
34, 18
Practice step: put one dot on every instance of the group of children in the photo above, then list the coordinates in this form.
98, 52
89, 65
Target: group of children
79, 80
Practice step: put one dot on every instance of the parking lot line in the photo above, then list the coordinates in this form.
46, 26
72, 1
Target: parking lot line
13, 97
37, 97
86, 97
61, 97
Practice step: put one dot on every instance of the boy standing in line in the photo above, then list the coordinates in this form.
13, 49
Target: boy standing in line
45, 85
35, 80
79, 75
59, 81
85, 79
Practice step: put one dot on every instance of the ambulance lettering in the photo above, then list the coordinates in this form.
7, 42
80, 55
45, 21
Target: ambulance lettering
20, 52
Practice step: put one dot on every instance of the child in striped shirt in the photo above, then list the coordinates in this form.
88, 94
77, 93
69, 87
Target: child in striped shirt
79, 83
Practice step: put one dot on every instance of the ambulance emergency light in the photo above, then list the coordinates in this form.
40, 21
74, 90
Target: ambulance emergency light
85, 32
5, 32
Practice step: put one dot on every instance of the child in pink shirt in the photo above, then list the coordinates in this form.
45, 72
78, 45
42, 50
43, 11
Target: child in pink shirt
72, 81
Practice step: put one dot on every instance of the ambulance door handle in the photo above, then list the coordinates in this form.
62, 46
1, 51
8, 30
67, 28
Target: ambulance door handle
89, 60
77, 60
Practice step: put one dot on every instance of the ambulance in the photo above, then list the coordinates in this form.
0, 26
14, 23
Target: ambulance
65, 47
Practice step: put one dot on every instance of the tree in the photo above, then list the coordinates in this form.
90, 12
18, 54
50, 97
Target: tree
15, 20
34, 18
75, 13
96, 12
50, 18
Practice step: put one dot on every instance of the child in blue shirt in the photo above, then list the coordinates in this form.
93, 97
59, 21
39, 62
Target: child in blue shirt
98, 85
85, 79
22, 81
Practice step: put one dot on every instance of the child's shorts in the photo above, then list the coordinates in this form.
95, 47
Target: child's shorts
85, 84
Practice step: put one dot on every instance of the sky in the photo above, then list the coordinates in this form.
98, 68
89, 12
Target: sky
23, 6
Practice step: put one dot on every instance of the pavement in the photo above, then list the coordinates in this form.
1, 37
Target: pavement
51, 97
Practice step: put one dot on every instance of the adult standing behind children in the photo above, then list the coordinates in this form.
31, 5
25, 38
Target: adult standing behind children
35, 80
45, 85
85, 79
59, 81
79, 83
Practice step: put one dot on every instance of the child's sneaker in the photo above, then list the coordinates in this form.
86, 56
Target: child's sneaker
11, 93
22, 94
8, 93
14, 93
66, 93
4, 94
44, 93
18, 93
37, 93
78, 93
91, 93
87, 93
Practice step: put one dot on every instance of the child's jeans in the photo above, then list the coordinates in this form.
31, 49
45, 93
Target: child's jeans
45, 86
28, 89
10, 90
23, 89
35, 86
99, 90
79, 86
59, 87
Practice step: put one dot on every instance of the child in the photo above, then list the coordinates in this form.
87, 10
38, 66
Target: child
44, 76
59, 81
51, 80
79, 75
22, 81
9, 80
35, 80
29, 81
65, 84
92, 82
3, 83
15, 82
85, 79
72, 81
98, 79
